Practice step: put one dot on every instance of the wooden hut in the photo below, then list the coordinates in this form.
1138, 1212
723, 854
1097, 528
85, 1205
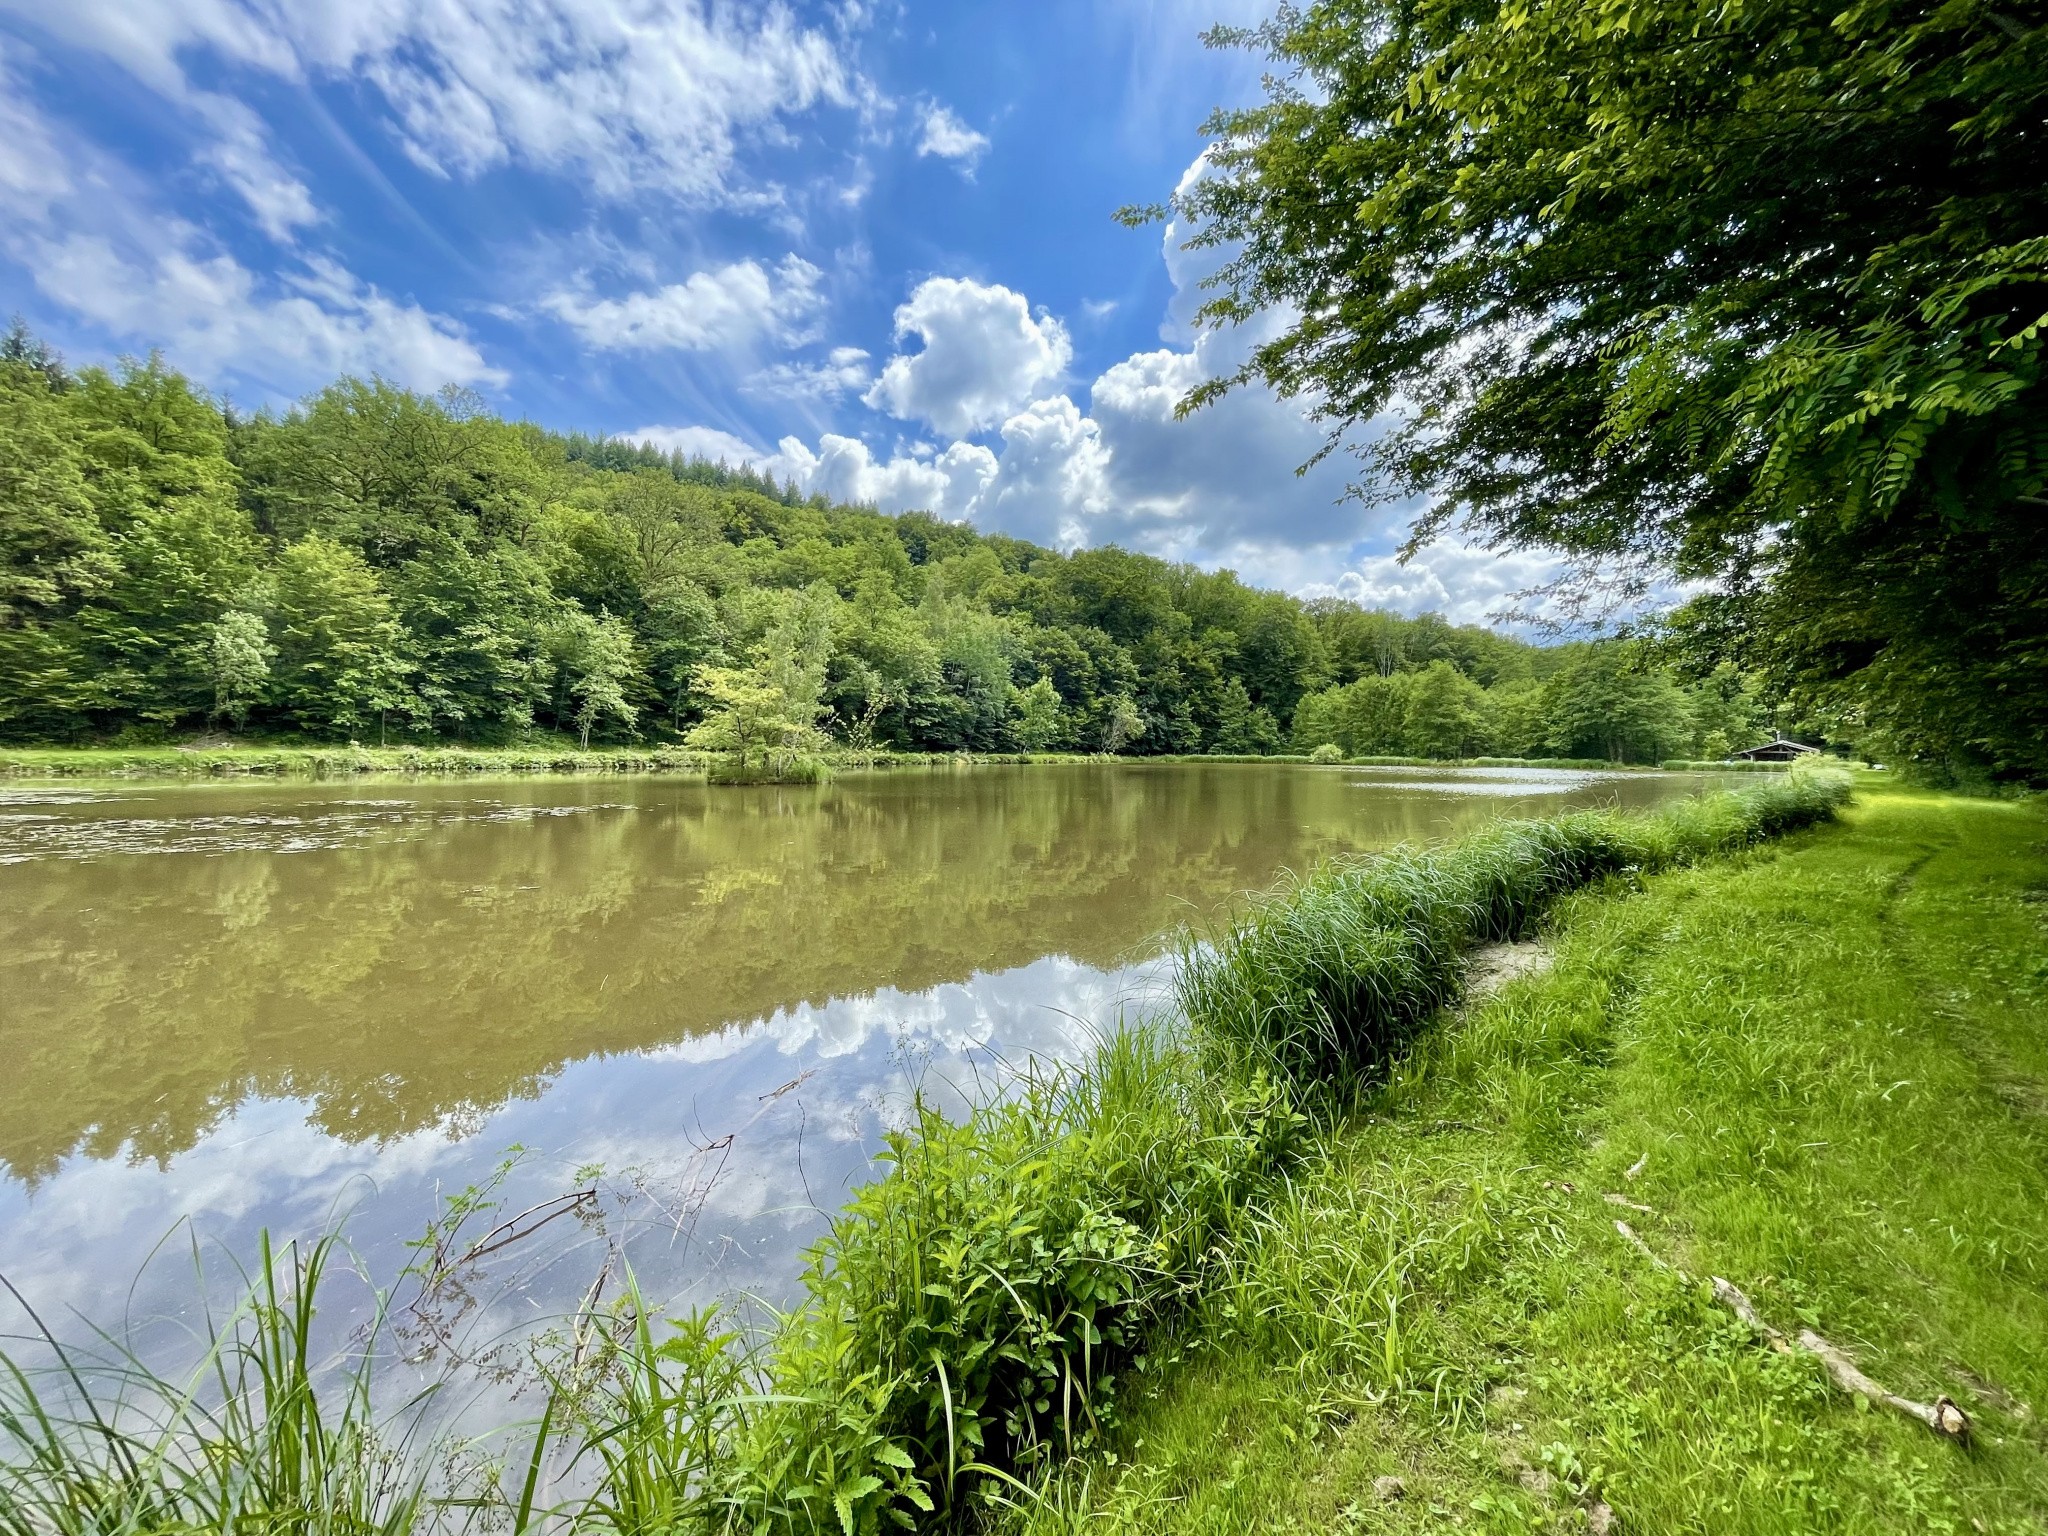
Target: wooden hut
1779, 751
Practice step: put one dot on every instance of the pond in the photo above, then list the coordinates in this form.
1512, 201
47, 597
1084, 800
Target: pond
228, 1007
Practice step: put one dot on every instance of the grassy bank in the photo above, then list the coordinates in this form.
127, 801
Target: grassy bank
253, 761
976, 1317
258, 761
1819, 1070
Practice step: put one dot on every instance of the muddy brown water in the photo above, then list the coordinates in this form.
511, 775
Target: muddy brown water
225, 1007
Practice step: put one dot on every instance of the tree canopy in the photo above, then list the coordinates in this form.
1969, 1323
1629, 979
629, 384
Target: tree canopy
385, 566
1752, 294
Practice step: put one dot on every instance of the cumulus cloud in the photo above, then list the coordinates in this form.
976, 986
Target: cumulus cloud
700, 443
1220, 487
1463, 582
951, 483
1053, 480
985, 355
947, 137
628, 96
712, 310
1116, 464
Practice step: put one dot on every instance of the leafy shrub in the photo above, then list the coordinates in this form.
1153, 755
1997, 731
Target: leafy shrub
970, 1312
1328, 752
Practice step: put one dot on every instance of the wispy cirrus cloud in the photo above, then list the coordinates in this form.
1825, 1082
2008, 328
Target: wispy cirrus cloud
87, 231
629, 96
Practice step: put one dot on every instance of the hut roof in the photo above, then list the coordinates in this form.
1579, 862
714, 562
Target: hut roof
1775, 751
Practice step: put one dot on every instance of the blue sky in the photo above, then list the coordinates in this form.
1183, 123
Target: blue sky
865, 245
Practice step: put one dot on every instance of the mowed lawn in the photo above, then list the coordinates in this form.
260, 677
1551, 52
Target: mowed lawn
1819, 1070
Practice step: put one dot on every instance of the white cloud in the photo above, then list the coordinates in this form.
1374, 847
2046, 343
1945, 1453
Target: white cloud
146, 40
34, 173
625, 94
1218, 487
713, 310
240, 154
1054, 481
845, 369
949, 483
84, 228
984, 356
701, 443
1463, 582
212, 316
950, 139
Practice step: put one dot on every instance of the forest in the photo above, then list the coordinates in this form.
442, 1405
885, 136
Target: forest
377, 565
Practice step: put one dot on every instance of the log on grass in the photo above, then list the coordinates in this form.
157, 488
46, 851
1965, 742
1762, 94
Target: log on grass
1942, 1416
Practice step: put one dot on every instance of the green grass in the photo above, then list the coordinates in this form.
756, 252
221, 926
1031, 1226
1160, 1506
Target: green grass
347, 761
1833, 1054
971, 1314
1324, 981
266, 1435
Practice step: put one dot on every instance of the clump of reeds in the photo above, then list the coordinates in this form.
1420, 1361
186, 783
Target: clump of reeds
776, 768
969, 1313
1322, 980
262, 1437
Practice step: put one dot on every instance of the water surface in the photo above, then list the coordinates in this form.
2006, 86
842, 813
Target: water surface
242, 1005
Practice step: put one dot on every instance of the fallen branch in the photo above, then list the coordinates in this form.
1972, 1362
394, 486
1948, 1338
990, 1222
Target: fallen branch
1635, 1169
1943, 1416
1626, 1204
1639, 1245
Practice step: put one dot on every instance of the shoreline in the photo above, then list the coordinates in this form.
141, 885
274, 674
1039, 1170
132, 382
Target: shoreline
347, 761
1500, 1280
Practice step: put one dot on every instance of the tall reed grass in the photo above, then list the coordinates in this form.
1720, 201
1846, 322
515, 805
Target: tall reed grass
1323, 980
968, 1315
265, 1436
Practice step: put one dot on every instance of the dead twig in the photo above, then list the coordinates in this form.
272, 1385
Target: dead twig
492, 1241
1942, 1416
1627, 1204
1629, 1233
1635, 1169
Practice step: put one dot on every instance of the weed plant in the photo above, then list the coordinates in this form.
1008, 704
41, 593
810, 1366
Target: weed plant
778, 768
262, 1438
